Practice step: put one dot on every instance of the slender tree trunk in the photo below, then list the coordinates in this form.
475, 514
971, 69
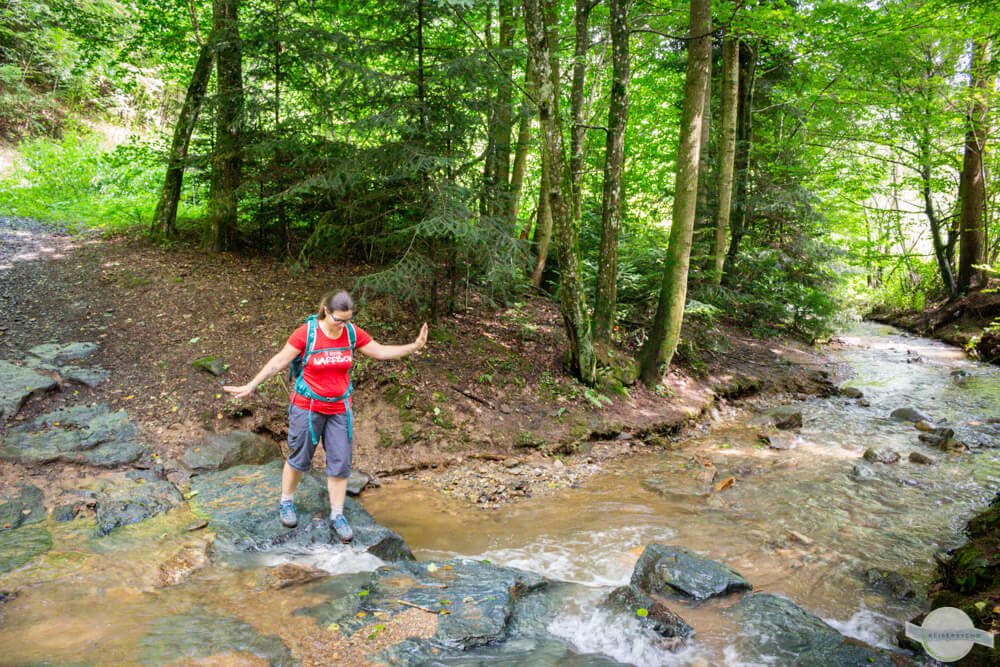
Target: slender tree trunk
165, 217
517, 170
487, 196
503, 123
543, 226
940, 251
541, 31
727, 152
278, 156
578, 132
702, 216
614, 157
227, 162
665, 332
973, 181
744, 142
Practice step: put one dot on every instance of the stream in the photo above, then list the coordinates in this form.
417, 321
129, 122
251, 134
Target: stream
804, 523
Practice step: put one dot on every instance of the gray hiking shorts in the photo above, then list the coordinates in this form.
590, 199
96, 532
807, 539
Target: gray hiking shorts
332, 429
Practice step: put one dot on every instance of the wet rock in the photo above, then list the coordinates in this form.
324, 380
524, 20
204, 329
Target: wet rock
511, 463
199, 634
651, 612
675, 570
293, 574
942, 438
179, 567
22, 509
210, 365
776, 628
924, 426
17, 383
152, 473
132, 502
225, 450
788, 422
475, 600
92, 377
873, 455
66, 512
17, 547
862, 473
851, 392
80, 434
917, 457
908, 415
241, 505
357, 481
890, 583
7, 596
61, 353
778, 440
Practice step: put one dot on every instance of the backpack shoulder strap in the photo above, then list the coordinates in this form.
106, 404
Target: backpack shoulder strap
310, 337
351, 335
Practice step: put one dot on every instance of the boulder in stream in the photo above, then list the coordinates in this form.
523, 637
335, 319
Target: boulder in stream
476, 603
851, 392
666, 570
19, 546
218, 451
241, 505
873, 455
787, 417
293, 574
780, 632
891, 583
652, 613
909, 415
778, 439
922, 459
132, 502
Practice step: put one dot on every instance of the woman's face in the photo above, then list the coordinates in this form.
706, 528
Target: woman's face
338, 318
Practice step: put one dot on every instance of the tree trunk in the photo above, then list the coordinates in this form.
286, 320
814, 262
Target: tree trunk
501, 141
744, 142
543, 227
517, 170
973, 186
727, 152
940, 251
578, 132
165, 218
227, 161
665, 332
702, 216
541, 32
614, 157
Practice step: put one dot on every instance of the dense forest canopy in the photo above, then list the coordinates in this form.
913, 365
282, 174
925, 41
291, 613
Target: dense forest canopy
636, 160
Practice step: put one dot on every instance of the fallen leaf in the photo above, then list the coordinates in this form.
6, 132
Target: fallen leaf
724, 484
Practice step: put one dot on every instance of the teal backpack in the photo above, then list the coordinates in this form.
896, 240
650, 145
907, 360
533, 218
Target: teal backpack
298, 368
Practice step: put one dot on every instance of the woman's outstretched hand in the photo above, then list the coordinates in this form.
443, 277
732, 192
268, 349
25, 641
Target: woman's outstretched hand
239, 392
421, 339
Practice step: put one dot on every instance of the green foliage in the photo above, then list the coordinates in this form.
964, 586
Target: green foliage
73, 181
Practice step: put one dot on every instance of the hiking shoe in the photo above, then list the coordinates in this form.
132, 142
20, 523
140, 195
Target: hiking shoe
287, 513
340, 526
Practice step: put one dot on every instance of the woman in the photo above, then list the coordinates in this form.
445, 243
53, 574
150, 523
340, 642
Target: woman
321, 401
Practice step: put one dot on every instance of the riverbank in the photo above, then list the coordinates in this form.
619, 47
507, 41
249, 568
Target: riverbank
172, 325
969, 322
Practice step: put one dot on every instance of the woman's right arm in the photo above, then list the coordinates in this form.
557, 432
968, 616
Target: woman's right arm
270, 369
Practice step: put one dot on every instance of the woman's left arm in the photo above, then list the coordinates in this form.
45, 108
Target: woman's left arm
378, 351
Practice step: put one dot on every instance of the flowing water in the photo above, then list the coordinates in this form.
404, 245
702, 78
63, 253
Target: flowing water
893, 517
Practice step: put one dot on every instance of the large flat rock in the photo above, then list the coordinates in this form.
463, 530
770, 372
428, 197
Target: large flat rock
199, 635
132, 502
664, 570
218, 451
780, 632
17, 383
241, 505
80, 434
62, 352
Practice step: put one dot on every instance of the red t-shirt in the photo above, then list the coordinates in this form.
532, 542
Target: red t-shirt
327, 373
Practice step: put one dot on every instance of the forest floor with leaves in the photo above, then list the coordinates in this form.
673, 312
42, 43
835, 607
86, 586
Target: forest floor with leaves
488, 389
